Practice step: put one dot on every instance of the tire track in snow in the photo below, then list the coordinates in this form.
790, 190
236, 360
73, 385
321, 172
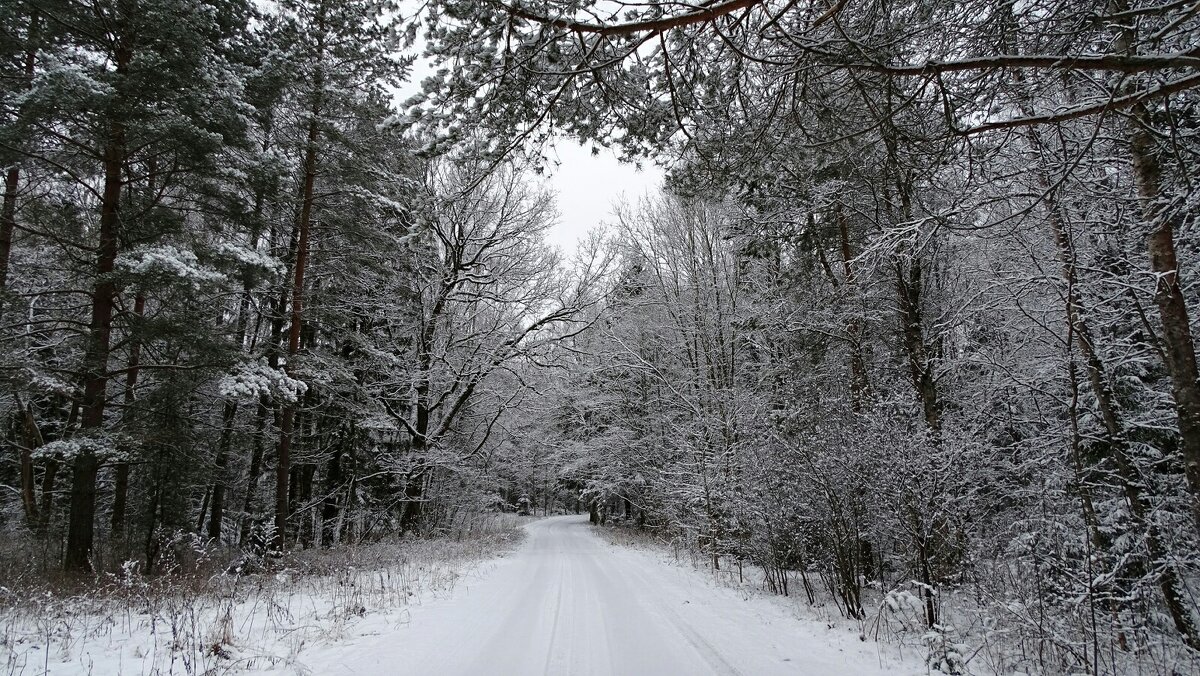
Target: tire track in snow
554, 621
711, 656
567, 603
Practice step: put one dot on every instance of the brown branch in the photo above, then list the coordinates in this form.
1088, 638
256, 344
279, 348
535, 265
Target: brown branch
830, 13
1102, 62
702, 15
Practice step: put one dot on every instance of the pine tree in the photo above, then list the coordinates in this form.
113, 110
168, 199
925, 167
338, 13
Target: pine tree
133, 85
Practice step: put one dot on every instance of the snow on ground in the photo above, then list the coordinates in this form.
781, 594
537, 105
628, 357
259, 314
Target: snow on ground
239, 623
569, 603
566, 602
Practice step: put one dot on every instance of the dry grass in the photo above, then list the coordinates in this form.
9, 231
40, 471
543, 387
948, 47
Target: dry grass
227, 621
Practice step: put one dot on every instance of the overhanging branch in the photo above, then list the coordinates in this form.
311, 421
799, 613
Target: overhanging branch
1120, 63
1117, 103
702, 15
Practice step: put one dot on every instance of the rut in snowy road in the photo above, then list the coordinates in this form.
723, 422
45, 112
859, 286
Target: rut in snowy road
569, 603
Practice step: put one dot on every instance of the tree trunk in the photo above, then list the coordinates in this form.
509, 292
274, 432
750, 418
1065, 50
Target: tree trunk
8, 224
920, 369
1178, 348
50, 475
282, 472
151, 552
121, 481
1180, 358
264, 403
859, 385
255, 469
228, 414
1131, 483
349, 522
82, 522
203, 508
329, 508
31, 441
414, 500
12, 178
414, 481
288, 416
1180, 351
307, 473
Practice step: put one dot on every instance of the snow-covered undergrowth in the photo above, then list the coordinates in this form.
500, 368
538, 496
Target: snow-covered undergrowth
238, 621
976, 636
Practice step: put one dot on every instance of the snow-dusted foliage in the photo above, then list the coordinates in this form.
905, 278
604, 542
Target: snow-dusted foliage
111, 447
168, 261
911, 327
255, 380
250, 258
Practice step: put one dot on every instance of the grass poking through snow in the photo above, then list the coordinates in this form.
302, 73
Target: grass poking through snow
228, 621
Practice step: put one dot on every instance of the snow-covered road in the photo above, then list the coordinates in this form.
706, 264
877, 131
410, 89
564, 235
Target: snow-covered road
569, 603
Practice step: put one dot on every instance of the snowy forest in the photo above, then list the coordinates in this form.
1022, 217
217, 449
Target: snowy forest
910, 322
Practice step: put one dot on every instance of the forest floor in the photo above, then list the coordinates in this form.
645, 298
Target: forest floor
569, 602
271, 621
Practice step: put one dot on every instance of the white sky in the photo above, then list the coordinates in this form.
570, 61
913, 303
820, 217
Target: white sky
588, 186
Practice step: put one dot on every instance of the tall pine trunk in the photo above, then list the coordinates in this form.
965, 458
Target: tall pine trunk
8, 226
121, 480
920, 368
330, 507
288, 417
228, 415
50, 476
85, 465
265, 408
12, 177
250, 501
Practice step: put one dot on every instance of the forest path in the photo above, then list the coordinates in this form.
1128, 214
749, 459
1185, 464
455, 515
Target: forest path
570, 603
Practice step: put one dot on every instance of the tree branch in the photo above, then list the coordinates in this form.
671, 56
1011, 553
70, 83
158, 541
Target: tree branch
701, 15
1103, 62
1117, 103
